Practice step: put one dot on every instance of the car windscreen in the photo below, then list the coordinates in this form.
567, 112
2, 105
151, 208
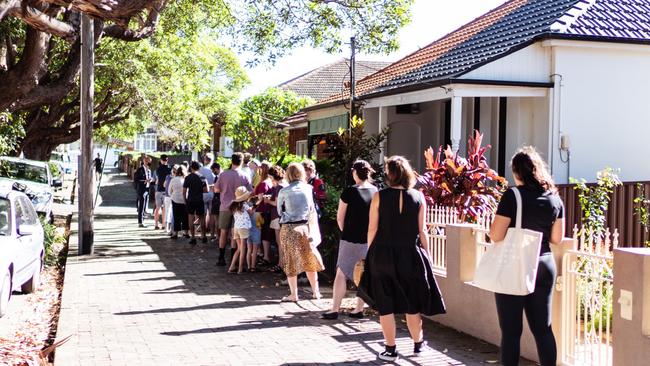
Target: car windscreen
23, 171
5, 206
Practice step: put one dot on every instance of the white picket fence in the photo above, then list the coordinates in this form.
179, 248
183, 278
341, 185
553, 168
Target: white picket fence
438, 217
587, 298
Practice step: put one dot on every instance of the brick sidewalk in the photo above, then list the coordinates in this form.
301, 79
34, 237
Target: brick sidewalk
144, 299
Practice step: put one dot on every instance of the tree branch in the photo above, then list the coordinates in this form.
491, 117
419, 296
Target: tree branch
43, 22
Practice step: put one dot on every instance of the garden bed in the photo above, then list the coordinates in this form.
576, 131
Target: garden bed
35, 331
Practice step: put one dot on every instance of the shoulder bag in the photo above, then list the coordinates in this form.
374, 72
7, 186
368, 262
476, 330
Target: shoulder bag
510, 266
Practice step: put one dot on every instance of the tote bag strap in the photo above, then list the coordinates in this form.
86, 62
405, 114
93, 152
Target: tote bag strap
515, 190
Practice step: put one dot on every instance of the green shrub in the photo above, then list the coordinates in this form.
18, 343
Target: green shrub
51, 238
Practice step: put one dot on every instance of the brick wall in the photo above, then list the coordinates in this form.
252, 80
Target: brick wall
296, 135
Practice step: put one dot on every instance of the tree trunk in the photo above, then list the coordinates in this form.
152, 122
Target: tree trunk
40, 150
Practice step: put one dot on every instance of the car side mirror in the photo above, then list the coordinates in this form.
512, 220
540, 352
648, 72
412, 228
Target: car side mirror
25, 230
56, 183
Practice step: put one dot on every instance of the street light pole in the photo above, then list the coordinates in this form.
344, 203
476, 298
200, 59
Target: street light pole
353, 112
85, 169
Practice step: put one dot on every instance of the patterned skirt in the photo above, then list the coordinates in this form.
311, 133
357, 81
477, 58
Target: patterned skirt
298, 254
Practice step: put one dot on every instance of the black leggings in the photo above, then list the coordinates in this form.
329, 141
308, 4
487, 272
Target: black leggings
179, 210
538, 312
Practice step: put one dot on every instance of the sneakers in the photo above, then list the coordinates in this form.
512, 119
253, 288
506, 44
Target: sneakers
420, 348
388, 356
358, 315
331, 315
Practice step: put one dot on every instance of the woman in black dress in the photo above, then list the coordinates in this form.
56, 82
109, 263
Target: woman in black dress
398, 278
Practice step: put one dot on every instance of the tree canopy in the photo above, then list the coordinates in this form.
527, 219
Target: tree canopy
258, 129
181, 74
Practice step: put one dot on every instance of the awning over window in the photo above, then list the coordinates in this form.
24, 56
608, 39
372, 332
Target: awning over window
328, 125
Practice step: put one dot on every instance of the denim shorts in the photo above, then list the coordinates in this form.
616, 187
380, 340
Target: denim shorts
255, 235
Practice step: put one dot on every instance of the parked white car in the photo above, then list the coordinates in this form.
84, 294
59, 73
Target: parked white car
21, 246
65, 161
36, 176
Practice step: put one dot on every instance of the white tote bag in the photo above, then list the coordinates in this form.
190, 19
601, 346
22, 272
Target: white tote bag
510, 266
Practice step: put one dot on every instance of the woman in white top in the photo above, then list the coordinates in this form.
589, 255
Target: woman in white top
179, 209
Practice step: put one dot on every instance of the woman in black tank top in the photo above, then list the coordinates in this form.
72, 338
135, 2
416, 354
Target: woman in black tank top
398, 277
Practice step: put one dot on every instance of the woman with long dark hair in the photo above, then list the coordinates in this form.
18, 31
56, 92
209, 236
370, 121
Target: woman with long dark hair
398, 277
352, 218
542, 211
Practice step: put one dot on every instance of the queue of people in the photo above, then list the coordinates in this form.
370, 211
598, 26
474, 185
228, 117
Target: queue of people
251, 206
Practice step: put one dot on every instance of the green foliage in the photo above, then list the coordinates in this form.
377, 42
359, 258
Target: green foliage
51, 238
176, 82
349, 145
328, 224
287, 159
258, 129
469, 185
594, 199
11, 131
270, 28
642, 209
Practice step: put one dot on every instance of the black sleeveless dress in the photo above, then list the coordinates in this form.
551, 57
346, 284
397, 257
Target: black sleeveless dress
398, 278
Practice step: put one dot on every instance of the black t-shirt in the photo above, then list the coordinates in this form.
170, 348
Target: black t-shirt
355, 227
98, 164
539, 211
162, 172
194, 186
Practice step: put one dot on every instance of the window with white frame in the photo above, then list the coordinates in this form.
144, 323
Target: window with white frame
301, 148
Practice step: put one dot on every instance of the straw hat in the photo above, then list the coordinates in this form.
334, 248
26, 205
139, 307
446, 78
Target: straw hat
242, 194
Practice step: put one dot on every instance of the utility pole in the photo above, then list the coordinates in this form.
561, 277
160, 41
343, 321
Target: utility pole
353, 110
87, 91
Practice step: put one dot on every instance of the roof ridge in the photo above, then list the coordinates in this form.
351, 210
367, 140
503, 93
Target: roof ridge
567, 19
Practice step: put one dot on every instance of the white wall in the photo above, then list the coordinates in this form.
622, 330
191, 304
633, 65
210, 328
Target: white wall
531, 64
410, 134
605, 109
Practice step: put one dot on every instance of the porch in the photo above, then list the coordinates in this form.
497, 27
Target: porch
509, 116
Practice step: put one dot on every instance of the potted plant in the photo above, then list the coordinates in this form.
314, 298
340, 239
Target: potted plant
467, 184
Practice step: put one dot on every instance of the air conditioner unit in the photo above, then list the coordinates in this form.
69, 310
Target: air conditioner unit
226, 146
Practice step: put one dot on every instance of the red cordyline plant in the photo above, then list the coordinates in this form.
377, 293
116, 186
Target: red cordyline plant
469, 184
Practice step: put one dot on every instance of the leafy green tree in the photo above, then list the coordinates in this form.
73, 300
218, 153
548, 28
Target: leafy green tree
39, 56
258, 129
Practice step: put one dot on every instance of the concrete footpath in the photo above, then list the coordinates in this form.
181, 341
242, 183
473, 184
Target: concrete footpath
144, 299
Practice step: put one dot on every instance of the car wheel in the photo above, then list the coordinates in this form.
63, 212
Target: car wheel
5, 293
33, 283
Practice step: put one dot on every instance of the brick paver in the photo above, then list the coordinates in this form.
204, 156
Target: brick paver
144, 299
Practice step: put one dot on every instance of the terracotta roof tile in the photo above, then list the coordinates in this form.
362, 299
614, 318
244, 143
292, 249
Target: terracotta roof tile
329, 79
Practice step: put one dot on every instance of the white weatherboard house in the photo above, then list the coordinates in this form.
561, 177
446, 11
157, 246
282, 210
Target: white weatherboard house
571, 78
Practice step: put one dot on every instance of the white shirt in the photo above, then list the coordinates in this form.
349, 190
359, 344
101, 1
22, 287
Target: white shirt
243, 218
176, 190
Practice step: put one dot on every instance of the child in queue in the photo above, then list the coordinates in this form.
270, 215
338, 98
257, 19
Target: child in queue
241, 211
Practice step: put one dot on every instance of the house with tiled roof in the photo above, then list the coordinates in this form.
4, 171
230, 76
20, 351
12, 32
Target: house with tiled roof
318, 84
566, 76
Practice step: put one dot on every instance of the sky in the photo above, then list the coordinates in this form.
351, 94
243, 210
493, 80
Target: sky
431, 19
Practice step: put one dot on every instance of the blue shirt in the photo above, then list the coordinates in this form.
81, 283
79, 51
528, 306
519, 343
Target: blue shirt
295, 202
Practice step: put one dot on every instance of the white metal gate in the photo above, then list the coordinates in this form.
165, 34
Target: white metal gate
587, 299
438, 218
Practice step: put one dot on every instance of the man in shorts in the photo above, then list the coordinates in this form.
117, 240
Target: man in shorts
208, 175
226, 185
162, 172
193, 189
213, 226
